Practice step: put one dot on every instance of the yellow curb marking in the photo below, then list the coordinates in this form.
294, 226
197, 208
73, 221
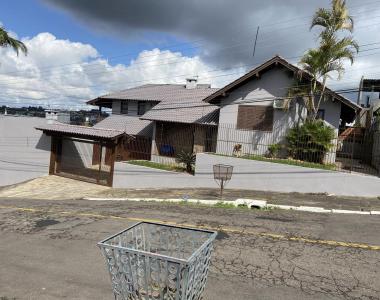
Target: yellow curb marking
221, 228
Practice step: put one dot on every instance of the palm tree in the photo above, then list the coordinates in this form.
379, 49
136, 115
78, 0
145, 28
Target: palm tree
329, 57
7, 41
333, 20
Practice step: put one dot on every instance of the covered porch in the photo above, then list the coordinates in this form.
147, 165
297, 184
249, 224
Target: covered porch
170, 139
83, 153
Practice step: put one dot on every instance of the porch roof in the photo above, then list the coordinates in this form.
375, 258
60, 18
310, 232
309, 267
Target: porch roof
129, 124
215, 97
197, 112
81, 131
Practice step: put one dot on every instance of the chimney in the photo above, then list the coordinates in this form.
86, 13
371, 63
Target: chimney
191, 83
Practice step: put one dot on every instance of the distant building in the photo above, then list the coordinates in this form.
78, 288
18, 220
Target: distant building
369, 92
54, 115
369, 99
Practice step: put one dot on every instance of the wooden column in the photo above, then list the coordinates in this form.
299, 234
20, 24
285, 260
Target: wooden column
112, 163
53, 155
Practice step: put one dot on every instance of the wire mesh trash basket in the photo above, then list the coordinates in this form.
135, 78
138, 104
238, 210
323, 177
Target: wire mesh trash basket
157, 261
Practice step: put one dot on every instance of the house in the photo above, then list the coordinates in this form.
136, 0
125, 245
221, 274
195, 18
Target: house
249, 112
89, 153
157, 121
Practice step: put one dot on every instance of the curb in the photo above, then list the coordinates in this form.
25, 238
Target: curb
251, 203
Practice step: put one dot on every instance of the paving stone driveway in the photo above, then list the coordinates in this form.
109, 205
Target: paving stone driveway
53, 188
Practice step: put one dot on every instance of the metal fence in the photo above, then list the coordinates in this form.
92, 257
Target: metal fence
352, 149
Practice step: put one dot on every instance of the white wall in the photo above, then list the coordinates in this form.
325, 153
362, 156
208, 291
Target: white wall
266, 176
24, 151
259, 91
332, 119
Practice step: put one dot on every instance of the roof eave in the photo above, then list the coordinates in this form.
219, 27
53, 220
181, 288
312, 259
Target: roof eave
80, 135
275, 60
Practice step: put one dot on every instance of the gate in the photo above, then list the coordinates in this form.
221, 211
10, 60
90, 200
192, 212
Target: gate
358, 150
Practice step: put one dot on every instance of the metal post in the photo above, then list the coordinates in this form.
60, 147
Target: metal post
221, 188
352, 151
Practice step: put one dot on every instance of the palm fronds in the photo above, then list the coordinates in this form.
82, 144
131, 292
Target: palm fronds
8, 41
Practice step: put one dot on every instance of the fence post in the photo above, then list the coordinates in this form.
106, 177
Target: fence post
352, 151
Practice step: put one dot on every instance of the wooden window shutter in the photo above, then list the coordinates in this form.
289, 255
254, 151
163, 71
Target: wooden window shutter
255, 117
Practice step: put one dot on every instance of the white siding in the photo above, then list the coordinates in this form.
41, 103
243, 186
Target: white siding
259, 91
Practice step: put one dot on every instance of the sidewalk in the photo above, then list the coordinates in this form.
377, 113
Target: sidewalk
59, 188
293, 199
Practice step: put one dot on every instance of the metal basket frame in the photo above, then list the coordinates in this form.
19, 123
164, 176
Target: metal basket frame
138, 274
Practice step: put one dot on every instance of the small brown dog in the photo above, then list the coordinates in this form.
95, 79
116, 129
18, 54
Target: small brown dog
237, 150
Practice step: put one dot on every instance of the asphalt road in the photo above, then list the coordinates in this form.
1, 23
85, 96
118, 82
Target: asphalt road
48, 250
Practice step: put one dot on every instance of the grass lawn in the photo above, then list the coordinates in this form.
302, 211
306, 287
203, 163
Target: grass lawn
154, 165
288, 161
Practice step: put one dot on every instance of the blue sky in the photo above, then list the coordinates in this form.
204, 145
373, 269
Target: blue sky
80, 49
31, 17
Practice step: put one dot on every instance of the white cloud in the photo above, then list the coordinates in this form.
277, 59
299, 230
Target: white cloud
65, 73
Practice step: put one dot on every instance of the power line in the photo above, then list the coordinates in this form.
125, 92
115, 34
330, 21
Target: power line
195, 41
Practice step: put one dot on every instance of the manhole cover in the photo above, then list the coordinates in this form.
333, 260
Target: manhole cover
46, 222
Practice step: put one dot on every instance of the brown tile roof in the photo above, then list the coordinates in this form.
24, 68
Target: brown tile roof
80, 131
275, 60
156, 93
184, 112
128, 124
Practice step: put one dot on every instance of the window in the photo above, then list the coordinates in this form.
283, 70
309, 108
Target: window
255, 117
141, 108
321, 114
124, 107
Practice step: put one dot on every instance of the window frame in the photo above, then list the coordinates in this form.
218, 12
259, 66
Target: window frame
124, 111
143, 103
247, 120
321, 114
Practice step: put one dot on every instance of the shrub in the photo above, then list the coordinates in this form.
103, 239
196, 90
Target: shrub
186, 158
310, 141
273, 150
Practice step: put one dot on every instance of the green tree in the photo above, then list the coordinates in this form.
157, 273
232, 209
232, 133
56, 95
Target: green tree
8, 41
186, 158
333, 20
329, 57
310, 141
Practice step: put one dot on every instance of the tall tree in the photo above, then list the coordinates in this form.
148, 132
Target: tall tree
332, 20
329, 57
8, 41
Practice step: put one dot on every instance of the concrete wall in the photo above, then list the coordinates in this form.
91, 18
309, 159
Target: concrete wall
24, 151
266, 176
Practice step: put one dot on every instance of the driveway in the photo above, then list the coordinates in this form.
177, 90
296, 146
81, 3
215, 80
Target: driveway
48, 250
